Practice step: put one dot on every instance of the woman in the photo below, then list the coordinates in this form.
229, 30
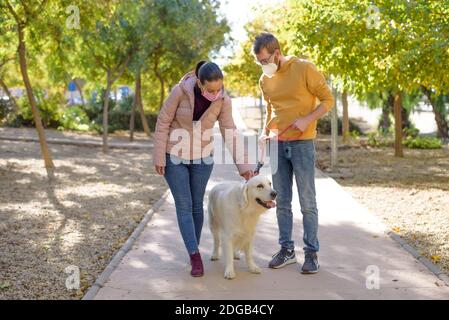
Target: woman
194, 104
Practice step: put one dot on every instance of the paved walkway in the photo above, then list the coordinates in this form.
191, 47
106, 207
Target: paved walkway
353, 244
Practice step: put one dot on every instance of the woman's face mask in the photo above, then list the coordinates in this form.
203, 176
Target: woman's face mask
210, 96
212, 91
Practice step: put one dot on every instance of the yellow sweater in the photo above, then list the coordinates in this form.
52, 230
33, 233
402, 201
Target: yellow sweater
292, 93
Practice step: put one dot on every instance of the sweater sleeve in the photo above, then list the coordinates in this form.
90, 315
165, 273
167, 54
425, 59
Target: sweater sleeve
164, 120
268, 113
316, 84
230, 135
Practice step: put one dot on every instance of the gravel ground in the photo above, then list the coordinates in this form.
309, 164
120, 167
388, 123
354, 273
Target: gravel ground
410, 194
81, 219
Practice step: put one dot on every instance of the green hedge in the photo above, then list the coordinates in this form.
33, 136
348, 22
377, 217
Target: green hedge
324, 126
81, 118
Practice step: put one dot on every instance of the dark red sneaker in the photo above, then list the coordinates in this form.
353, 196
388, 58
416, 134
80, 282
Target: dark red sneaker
197, 265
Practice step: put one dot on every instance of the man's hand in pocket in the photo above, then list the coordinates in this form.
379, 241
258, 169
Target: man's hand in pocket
301, 124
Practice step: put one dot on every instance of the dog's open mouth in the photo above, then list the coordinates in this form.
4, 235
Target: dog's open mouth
266, 204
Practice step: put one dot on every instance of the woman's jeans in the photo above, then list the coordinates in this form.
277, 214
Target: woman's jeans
187, 180
296, 157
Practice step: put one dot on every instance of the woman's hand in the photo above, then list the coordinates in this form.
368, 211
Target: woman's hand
160, 170
263, 138
248, 175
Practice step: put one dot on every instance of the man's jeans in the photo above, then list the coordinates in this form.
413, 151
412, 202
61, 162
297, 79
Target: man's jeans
296, 157
187, 181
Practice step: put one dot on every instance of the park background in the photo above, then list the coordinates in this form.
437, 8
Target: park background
97, 72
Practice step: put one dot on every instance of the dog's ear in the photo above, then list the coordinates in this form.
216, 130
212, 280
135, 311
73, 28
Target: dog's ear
244, 197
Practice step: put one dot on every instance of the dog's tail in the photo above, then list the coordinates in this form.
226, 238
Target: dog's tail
210, 210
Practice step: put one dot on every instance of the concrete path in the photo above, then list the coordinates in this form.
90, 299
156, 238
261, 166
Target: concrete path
353, 242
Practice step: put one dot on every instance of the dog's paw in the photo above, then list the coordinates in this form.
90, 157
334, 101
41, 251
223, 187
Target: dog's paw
255, 269
229, 274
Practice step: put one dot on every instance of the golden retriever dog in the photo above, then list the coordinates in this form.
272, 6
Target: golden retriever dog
234, 209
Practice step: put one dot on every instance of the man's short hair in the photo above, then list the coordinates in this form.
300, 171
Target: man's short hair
265, 40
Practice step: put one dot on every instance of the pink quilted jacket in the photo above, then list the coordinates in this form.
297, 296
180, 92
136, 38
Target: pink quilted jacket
177, 113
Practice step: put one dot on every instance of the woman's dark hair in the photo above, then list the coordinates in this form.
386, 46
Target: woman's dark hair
208, 71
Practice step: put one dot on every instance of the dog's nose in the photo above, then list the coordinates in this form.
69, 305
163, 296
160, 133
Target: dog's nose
273, 194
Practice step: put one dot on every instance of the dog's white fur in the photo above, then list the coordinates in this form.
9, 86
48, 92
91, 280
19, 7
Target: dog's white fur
233, 215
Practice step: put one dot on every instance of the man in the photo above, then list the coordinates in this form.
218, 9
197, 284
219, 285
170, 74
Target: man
290, 87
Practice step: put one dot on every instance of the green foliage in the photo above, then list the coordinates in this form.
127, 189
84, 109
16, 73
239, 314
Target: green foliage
412, 140
400, 47
411, 132
49, 108
6, 109
74, 118
242, 73
377, 139
119, 116
422, 142
161, 38
354, 134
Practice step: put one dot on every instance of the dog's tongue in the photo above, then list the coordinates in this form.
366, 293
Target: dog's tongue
271, 204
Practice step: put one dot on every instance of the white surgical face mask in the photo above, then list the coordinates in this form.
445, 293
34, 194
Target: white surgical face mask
269, 69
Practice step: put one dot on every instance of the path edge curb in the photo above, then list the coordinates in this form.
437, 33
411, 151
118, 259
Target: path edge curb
89, 144
432, 267
113, 264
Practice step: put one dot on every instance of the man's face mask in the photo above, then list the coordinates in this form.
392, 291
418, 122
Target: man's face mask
269, 68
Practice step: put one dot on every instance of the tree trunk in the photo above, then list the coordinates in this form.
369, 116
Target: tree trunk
405, 122
8, 93
345, 120
146, 127
161, 81
440, 119
37, 118
162, 94
440, 116
405, 115
334, 131
398, 125
387, 107
135, 103
80, 90
106, 111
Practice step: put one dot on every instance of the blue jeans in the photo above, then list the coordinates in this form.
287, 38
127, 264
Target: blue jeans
296, 157
187, 181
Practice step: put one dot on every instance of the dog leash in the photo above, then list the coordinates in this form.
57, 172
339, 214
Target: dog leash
260, 161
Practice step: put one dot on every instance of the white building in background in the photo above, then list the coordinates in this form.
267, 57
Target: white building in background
15, 92
73, 95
